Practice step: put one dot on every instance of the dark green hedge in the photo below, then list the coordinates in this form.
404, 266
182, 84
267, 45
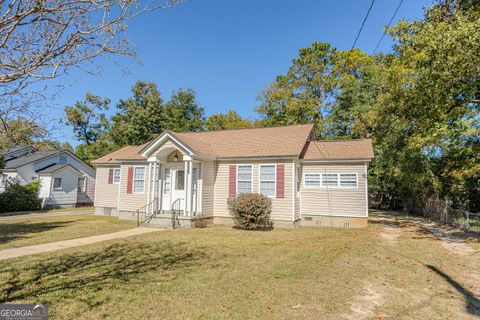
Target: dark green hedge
20, 198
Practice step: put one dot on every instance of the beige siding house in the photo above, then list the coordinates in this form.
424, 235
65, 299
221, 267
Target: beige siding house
180, 177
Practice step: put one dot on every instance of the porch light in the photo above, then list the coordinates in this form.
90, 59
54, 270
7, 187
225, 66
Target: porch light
175, 157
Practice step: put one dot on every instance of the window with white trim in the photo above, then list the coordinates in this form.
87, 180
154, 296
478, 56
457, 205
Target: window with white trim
348, 180
116, 176
139, 179
312, 180
329, 180
268, 180
244, 179
57, 183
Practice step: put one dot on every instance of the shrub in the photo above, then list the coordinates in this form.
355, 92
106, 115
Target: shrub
200, 222
20, 198
251, 211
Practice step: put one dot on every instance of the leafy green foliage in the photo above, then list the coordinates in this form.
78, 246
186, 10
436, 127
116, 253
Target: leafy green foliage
420, 105
183, 113
230, 120
20, 198
140, 118
251, 211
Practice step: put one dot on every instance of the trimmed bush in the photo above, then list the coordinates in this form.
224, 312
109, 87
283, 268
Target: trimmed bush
20, 198
251, 211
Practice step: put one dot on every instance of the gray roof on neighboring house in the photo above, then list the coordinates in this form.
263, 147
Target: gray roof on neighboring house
55, 167
26, 159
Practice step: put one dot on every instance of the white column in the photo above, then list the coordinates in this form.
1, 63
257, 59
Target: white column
190, 188
185, 206
158, 183
150, 168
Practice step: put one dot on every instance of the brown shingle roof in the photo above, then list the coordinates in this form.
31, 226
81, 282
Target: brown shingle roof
257, 142
339, 150
125, 153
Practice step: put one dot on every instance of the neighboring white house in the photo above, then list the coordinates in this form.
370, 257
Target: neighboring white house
66, 181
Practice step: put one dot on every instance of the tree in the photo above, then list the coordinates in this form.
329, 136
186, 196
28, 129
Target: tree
183, 113
20, 131
87, 118
140, 118
43, 39
230, 120
301, 95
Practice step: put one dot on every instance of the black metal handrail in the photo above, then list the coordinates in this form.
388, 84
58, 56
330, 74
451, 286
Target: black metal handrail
149, 211
176, 212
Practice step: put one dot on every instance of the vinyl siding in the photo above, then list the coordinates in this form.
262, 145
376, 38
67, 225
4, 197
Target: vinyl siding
106, 195
68, 194
282, 208
334, 201
132, 201
207, 191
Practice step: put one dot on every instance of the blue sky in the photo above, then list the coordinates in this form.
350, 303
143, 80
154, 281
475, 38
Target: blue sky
227, 51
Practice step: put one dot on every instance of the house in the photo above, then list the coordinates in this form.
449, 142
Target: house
65, 180
321, 183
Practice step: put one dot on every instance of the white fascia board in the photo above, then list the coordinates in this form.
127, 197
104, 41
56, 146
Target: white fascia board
161, 139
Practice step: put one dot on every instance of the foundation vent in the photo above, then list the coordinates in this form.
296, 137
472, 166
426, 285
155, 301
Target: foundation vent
346, 224
308, 219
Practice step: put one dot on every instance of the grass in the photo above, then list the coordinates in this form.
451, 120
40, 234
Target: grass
72, 210
221, 273
30, 231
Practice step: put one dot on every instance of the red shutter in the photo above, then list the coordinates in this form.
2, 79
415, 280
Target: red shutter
130, 180
232, 183
280, 181
110, 176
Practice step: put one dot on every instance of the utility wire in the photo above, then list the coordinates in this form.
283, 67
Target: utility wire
358, 33
354, 42
388, 26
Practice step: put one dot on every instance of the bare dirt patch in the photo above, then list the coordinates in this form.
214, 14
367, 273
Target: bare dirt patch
391, 233
365, 304
450, 242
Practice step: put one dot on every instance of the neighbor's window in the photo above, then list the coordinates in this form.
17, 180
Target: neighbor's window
244, 179
329, 180
267, 179
116, 176
81, 185
180, 180
348, 180
57, 183
139, 179
312, 180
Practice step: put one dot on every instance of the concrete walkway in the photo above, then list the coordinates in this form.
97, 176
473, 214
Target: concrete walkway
52, 246
75, 212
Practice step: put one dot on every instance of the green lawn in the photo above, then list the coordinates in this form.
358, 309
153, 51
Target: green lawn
72, 210
30, 231
221, 273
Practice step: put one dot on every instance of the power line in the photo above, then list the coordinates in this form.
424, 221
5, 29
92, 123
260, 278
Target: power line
388, 26
358, 33
354, 42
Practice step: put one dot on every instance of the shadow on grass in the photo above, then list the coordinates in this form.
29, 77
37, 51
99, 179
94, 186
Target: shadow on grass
13, 231
473, 303
82, 275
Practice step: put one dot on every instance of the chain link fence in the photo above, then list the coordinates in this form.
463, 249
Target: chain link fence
440, 210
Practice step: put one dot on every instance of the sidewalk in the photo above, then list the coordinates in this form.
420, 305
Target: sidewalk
53, 246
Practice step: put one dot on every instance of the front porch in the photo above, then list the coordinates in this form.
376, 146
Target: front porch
174, 188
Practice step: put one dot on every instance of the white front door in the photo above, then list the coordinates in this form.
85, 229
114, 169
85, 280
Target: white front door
178, 187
